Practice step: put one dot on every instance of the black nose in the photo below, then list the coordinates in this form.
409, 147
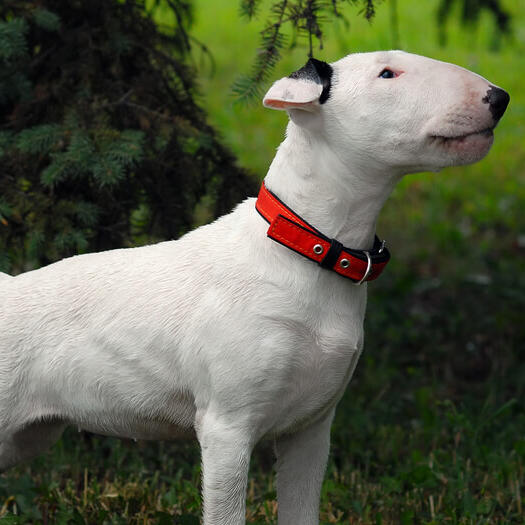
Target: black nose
498, 100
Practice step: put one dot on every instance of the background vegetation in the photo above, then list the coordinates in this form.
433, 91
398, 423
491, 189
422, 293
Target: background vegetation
102, 142
432, 427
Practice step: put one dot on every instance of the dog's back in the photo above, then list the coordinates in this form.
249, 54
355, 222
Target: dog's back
73, 335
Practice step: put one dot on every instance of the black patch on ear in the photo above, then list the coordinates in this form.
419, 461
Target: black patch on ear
319, 72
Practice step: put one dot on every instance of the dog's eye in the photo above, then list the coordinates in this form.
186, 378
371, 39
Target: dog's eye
387, 73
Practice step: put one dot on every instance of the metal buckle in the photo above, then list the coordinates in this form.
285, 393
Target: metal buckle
368, 268
383, 244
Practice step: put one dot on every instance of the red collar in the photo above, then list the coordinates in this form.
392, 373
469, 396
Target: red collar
290, 230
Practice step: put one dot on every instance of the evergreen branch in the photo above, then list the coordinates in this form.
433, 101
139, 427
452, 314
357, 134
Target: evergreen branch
178, 7
55, 172
46, 19
249, 8
107, 171
306, 18
35, 244
267, 56
369, 10
72, 241
39, 139
87, 213
334, 7
13, 44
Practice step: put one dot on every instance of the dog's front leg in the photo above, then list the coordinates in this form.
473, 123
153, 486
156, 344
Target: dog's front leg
226, 454
301, 464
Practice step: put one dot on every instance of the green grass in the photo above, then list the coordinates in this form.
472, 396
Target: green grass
432, 427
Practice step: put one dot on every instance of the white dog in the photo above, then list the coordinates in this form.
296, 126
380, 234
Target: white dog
225, 332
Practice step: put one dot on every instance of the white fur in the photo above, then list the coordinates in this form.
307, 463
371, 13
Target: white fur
224, 332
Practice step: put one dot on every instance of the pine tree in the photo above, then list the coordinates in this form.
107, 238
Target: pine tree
102, 144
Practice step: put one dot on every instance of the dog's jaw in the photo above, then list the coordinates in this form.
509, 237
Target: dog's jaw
463, 149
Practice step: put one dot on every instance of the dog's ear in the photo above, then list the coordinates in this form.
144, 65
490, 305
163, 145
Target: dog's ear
304, 89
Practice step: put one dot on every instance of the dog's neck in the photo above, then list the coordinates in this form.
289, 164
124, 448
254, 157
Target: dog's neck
334, 194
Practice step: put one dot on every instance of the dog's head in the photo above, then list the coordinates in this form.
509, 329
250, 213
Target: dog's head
396, 109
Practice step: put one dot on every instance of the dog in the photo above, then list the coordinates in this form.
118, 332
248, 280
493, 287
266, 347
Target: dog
239, 331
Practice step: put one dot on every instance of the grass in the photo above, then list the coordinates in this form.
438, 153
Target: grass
432, 427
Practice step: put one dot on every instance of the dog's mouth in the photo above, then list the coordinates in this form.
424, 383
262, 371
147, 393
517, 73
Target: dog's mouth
445, 140
465, 148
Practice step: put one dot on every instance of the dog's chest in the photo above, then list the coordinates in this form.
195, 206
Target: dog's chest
322, 380
321, 345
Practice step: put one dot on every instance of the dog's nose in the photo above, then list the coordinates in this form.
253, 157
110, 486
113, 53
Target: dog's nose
498, 100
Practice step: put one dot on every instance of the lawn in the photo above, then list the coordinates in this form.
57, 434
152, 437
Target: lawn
432, 427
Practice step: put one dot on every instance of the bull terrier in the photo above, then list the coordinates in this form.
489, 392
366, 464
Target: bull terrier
248, 328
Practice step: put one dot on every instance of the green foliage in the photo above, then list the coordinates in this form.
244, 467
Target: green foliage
471, 11
249, 8
14, 83
305, 19
13, 44
39, 139
46, 19
105, 157
100, 120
